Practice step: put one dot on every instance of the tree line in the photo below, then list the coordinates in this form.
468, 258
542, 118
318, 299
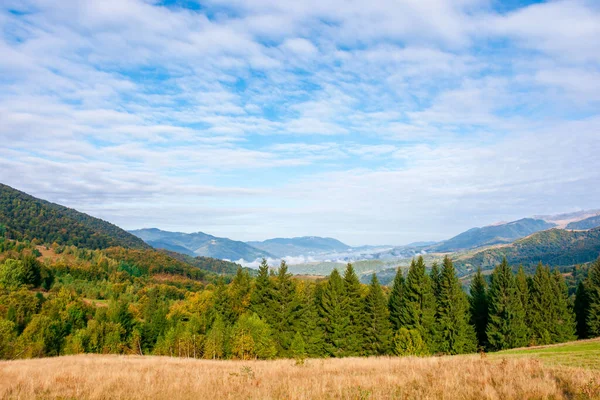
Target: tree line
111, 305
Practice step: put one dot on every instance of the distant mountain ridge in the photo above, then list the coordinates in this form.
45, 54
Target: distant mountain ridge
200, 244
25, 217
300, 246
588, 223
492, 234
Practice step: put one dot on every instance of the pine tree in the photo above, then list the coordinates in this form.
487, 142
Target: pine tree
286, 310
478, 301
352, 291
454, 334
542, 311
418, 306
261, 299
563, 328
310, 326
581, 308
593, 293
506, 318
240, 291
333, 311
395, 299
377, 330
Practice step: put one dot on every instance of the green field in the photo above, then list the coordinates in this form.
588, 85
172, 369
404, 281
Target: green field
583, 353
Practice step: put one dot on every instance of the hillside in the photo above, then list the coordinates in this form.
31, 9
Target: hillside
491, 235
24, 217
588, 223
300, 246
200, 244
556, 247
208, 264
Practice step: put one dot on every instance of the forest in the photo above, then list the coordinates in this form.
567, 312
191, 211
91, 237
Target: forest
60, 299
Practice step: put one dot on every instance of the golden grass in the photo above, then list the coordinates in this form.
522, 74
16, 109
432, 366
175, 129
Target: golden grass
137, 377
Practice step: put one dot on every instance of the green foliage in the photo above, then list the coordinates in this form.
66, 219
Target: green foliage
454, 333
478, 305
593, 294
377, 329
262, 296
357, 325
12, 274
8, 336
408, 342
506, 319
581, 308
418, 303
251, 338
298, 347
28, 218
395, 300
335, 320
285, 311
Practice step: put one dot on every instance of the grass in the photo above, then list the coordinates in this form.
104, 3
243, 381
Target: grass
515, 374
582, 354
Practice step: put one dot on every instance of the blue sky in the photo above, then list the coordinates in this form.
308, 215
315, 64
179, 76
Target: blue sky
379, 122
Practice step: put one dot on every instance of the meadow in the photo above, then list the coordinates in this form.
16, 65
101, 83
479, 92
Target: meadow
567, 371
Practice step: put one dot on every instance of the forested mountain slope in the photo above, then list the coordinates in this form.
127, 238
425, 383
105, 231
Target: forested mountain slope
588, 223
300, 246
24, 217
556, 247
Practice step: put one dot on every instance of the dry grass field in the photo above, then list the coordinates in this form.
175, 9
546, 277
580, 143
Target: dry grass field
136, 377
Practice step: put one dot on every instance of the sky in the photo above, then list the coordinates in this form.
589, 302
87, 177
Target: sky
374, 122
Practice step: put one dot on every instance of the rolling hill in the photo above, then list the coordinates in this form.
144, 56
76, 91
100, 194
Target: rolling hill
300, 246
200, 244
492, 234
555, 247
24, 217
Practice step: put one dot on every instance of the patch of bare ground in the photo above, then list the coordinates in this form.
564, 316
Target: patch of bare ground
138, 377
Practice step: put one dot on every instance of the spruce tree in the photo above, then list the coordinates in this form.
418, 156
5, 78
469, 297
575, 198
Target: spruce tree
581, 308
436, 277
478, 305
310, 326
593, 293
454, 333
352, 291
541, 311
333, 310
261, 299
377, 330
522, 283
239, 292
395, 300
563, 328
506, 318
286, 310
417, 308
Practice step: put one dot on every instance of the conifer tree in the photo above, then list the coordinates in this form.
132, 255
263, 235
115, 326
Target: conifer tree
542, 311
581, 308
522, 283
436, 276
418, 306
214, 345
478, 305
593, 293
261, 299
240, 291
395, 299
352, 291
377, 330
310, 326
506, 318
286, 309
563, 328
333, 311
454, 333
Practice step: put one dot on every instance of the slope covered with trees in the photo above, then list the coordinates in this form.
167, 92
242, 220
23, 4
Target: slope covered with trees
556, 247
588, 223
24, 217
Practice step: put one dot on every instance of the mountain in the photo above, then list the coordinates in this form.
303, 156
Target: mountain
209, 264
555, 247
301, 246
24, 217
492, 234
200, 244
588, 223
